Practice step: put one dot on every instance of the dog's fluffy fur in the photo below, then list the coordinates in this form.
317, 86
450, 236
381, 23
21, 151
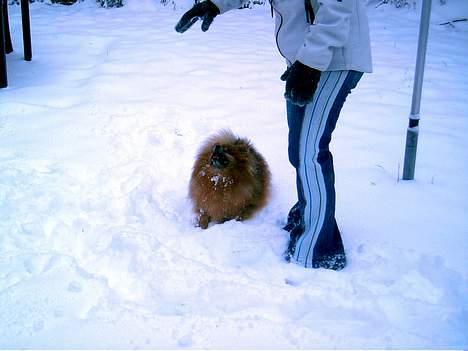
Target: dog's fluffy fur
230, 180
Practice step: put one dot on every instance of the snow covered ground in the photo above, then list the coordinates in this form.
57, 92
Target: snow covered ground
97, 139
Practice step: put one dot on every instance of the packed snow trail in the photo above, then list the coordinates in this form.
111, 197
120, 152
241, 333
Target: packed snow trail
98, 135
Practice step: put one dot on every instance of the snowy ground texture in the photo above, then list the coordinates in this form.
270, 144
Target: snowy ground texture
97, 139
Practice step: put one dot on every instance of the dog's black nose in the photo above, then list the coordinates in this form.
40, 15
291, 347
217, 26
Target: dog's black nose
218, 157
218, 149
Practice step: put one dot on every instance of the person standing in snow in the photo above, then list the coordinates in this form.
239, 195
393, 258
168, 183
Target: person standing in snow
327, 49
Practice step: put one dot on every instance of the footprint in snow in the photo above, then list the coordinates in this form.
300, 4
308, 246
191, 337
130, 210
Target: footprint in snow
74, 287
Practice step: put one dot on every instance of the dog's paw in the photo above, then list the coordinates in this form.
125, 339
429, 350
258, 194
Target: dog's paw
203, 221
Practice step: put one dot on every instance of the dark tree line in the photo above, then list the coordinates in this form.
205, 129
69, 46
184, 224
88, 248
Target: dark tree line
103, 3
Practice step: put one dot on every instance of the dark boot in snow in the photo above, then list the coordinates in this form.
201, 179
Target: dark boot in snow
294, 217
295, 234
327, 254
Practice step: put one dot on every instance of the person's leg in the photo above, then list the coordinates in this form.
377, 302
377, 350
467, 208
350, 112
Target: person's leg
295, 116
316, 242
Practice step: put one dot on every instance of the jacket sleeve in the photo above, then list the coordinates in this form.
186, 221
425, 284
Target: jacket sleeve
330, 30
226, 5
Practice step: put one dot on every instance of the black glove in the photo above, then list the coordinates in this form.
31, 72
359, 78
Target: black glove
204, 10
301, 82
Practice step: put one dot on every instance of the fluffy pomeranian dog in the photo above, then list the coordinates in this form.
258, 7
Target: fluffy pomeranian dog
230, 180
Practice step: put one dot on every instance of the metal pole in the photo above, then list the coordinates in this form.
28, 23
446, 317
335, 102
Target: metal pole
26, 30
3, 67
413, 127
6, 26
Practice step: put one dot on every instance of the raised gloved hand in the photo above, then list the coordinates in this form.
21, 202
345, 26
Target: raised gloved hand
204, 10
301, 83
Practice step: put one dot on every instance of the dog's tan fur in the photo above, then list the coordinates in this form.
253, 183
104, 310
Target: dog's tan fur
234, 192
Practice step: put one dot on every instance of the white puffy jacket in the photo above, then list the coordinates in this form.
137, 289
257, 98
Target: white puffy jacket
337, 40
